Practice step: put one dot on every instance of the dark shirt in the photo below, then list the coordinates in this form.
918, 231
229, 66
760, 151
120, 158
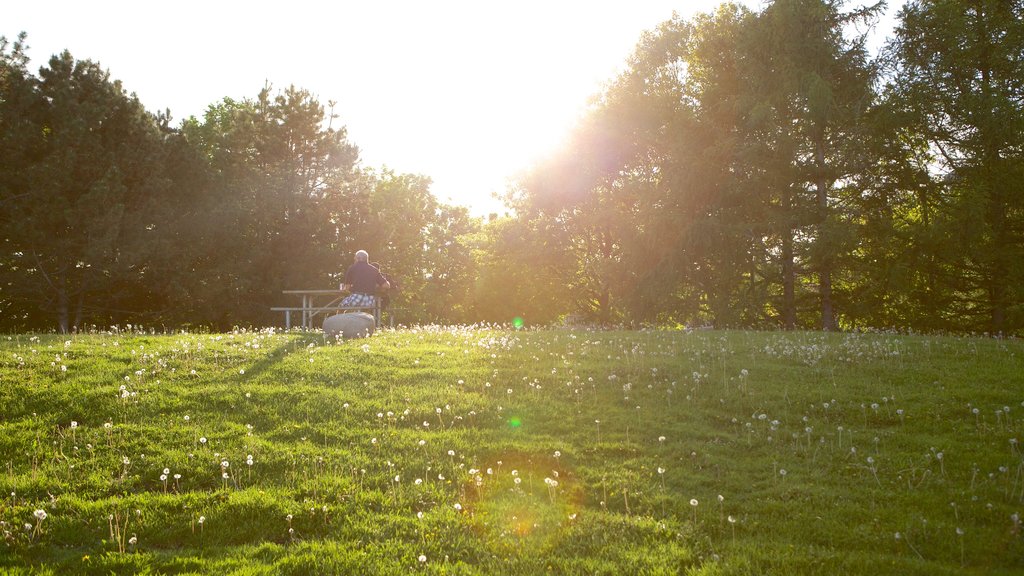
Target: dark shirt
363, 278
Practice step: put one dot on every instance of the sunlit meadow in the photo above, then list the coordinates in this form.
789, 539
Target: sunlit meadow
493, 450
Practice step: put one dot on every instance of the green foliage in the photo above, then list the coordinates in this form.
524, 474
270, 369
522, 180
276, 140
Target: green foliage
955, 85
112, 216
747, 169
81, 182
480, 450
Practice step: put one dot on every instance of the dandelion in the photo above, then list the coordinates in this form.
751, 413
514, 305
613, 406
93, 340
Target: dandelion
960, 536
423, 558
40, 515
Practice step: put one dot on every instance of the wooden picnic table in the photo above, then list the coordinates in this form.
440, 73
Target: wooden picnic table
311, 309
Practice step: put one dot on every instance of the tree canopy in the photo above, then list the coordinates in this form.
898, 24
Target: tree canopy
747, 168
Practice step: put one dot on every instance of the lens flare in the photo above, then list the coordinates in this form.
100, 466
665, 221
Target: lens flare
517, 322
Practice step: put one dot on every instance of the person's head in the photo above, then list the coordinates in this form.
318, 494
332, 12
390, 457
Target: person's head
362, 256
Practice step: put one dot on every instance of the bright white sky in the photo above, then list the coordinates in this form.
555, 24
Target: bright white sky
468, 92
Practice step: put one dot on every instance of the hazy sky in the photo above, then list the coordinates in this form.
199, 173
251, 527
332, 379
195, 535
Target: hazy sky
466, 92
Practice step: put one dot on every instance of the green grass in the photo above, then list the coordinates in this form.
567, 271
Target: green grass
482, 451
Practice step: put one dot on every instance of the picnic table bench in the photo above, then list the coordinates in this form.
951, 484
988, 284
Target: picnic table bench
310, 308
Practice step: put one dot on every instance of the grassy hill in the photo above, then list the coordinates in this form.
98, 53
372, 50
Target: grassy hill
484, 450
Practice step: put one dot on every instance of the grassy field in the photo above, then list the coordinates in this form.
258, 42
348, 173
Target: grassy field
485, 451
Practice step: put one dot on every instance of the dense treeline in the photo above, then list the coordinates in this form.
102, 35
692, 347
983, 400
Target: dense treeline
111, 216
756, 169
761, 169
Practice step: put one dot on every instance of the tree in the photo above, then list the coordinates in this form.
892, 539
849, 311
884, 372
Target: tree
276, 174
956, 82
80, 174
808, 89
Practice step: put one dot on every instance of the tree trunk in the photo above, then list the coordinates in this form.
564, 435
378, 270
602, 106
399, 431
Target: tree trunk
998, 288
63, 312
79, 311
788, 281
788, 268
828, 317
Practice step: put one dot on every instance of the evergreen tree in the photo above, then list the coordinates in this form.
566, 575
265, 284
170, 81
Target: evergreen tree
956, 82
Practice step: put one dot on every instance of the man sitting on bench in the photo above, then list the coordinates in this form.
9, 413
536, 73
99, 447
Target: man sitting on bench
362, 280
